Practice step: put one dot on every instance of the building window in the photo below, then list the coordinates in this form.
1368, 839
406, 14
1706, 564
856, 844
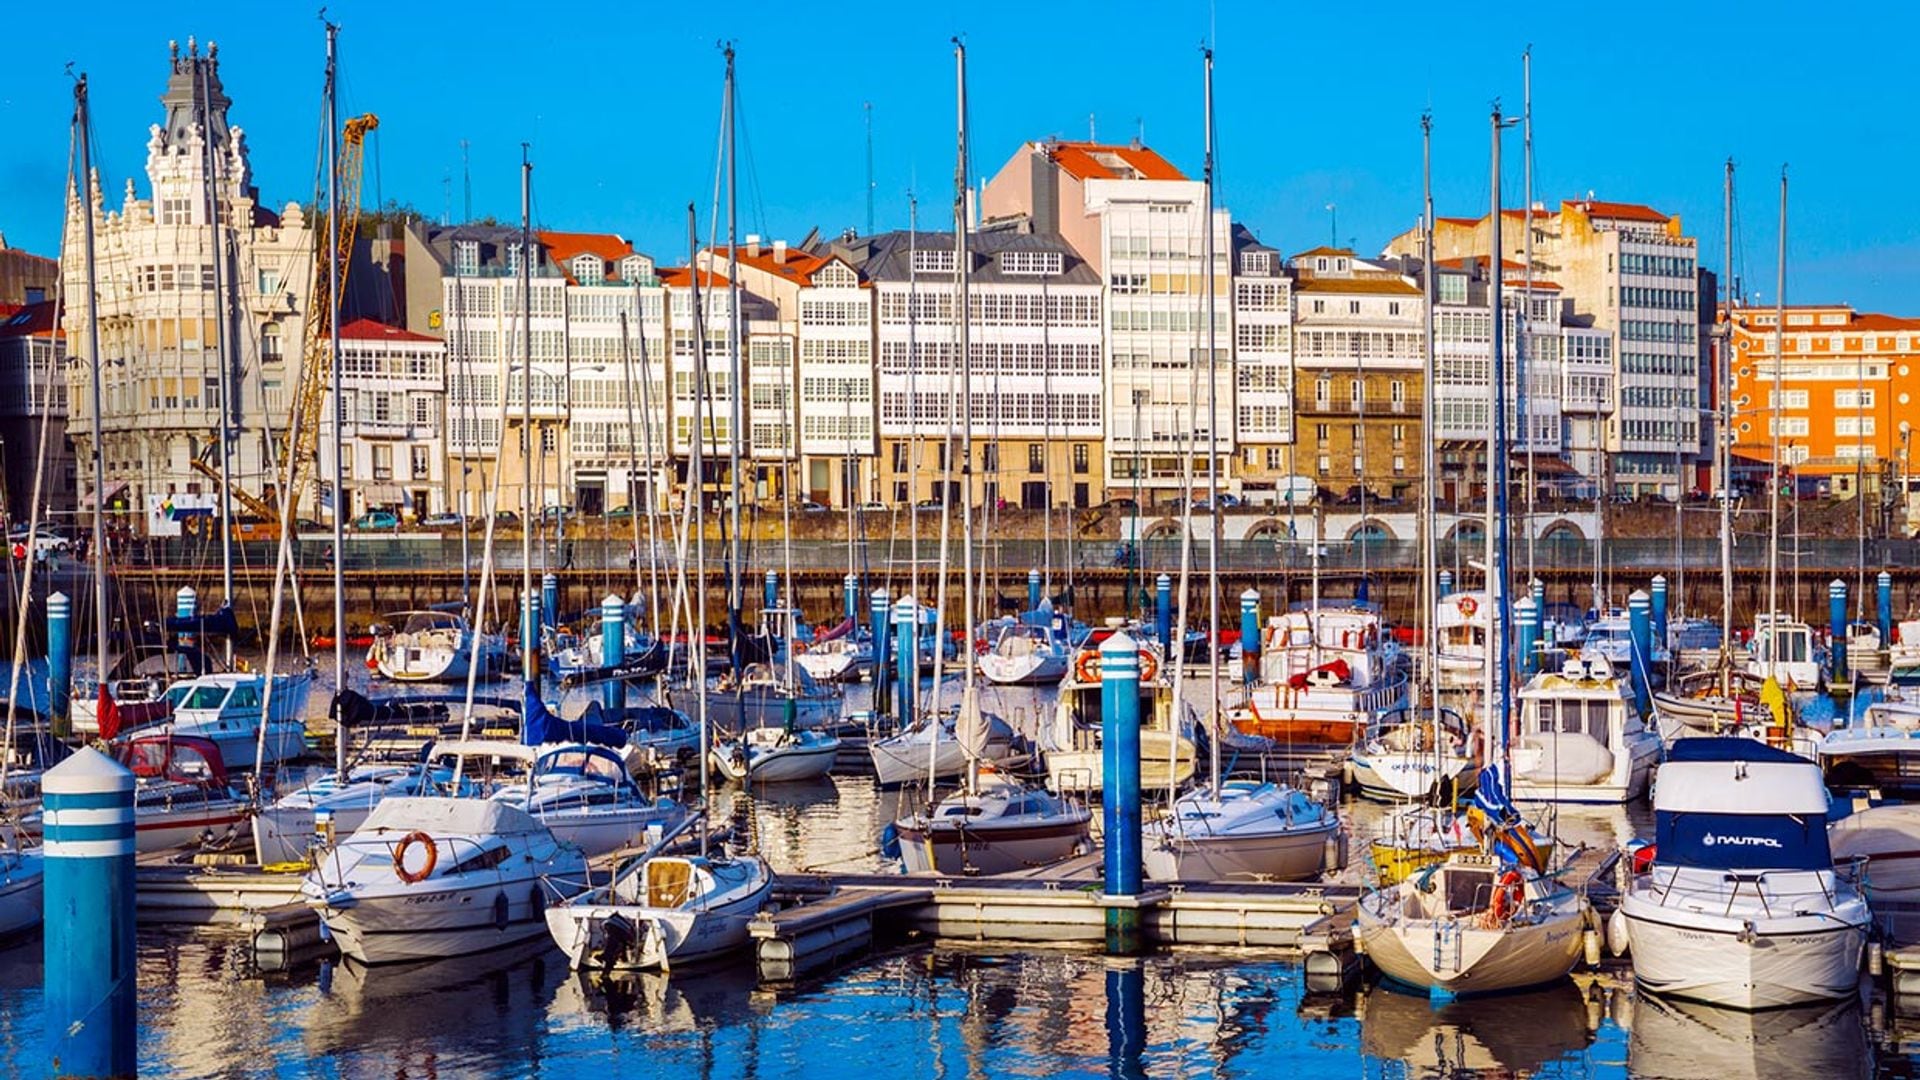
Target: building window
422, 410
269, 282
1320, 432
588, 269
1319, 307
1036, 458
1080, 457
1359, 465
422, 463
382, 462
1353, 307
270, 348
1322, 391
1393, 307
990, 457
513, 257
176, 212
901, 455
933, 260
549, 439
1325, 465
466, 258
1399, 433
1399, 394
1276, 458
1399, 465
1031, 263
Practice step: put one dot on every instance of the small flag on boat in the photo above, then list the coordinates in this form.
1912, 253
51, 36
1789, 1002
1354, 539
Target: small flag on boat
107, 713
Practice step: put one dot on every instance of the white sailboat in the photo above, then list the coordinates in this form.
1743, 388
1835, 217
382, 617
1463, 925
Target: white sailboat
434, 646
1168, 755
585, 795
997, 826
769, 755
931, 747
332, 806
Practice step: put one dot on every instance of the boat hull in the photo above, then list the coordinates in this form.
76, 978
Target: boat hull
665, 937
1399, 776
285, 833
1081, 770
21, 894
1706, 959
1293, 855
1460, 957
424, 923
991, 850
1622, 784
1034, 669
785, 765
734, 714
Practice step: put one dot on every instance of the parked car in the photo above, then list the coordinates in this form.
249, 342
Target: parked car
46, 540
925, 505
620, 513
375, 520
808, 506
441, 521
556, 513
506, 517
1120, 504
872, 508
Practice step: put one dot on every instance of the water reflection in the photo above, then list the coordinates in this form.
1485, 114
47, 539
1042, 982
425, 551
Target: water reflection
1677, 1039
1506, 1034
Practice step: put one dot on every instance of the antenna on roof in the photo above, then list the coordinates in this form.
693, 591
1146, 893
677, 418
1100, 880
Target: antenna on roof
1139, 131
868, 107
466, 183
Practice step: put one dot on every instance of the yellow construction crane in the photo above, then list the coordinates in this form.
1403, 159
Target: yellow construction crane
316, 364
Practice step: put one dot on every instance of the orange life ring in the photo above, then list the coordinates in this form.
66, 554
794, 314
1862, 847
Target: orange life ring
1087, 667
1467, 605
1507, 896
400, 858
1149, 666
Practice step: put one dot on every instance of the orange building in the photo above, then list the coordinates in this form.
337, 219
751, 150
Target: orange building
1848, 382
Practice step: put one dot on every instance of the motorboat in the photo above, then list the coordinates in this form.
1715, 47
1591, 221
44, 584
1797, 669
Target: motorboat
843, 653
585, 795
1710, 702
1742, 906
1581, 739
1074, 756
434, 646
1033, 649
22, 872
1324, 674
431, 877
138, 680
765, 695
1866, 654
768, 755
998, 827
1409, 755
1887, 839
1609, 637
1783, 648
663, 911
1879, 750
332, 806
181, 793
230, 708
1461, 623
1243, 830
1474, 924
669, 733
931, 747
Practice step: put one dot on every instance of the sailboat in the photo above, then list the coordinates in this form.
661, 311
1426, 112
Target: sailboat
1228, 829
1032, 649
1495, 918
434, 646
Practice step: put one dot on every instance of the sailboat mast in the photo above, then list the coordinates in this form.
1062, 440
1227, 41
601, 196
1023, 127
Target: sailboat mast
1496, 526
913, 414
339, 410
696, 513
1213, 454
1429, 549
530, 629
223, 384
93, 355
1773, 421
962, 269
1725, 494
1524, 315
734, 387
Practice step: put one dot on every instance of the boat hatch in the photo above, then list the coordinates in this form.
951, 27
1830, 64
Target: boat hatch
669, 882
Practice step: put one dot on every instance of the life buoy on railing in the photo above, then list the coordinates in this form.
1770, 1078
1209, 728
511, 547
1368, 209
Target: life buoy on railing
400, 858
1467, 605
1507, 896
1087, 667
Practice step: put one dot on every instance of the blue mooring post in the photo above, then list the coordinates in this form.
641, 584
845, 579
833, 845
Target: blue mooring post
1526, 617
1640, 630
906, 612
613, 648
1659, 609
59, 658
1538, 590
1033, 589
771, 591
1120, 769
1837, 620
1250, 636
877, 616
530, 633
550, 600
850, 597
1163, 612
90, 987
1883, 606
186, 606
1444, 587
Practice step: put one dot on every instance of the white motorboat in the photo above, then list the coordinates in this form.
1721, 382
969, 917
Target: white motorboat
1074, 755
288, 828
663, 911
138, 680
22, 871
1581, 739
763, 695
1403, 758
999, 827
1461, 626
669, 733
770, 755
1325, 673
1784, 648
586, 795
842, 654
1742, 906
1878, 751
433, 646
1246, 829
227, 708
1609, 637
425, 878
931, 747
1888, 839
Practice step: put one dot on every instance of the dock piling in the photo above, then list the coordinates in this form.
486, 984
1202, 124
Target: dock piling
1163, 614
1640, 630
613, 647
549, 600
1883, 606
877, 615
906, 612
59, 657
1120, 764
90, 986
1837, 626
1250, 636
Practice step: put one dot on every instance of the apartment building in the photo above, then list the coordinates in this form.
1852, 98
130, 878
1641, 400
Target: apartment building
170, 299
1034, 368
33, 411
1141, 225
1263, 366
1359, 355
1845, 407
393, 389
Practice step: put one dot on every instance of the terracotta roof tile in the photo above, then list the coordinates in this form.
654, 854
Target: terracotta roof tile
1386, 285
371, 330
1617, 210
1082, 161
679, 277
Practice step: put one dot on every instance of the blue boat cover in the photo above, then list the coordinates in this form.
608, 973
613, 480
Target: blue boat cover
1729, 749
538, 726
1742, 841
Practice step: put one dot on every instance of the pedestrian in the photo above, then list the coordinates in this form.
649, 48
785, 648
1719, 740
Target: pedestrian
633, 556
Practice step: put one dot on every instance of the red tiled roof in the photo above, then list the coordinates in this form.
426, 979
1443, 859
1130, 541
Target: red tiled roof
1461, 263
1391, 285
564, 247
30, 320
799, 267
1080, 160
1875, 321
372, 330
1324, 250
1618, 210
679, 277
1457, 220
1521, 283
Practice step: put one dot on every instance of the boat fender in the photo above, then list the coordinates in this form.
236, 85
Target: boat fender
1617, 939
1876, 959
535, 900
1590, 947
500, 911
890, 841
413, 877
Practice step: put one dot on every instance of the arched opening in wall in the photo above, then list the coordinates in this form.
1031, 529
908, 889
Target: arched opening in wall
1468, 532
1563, 534
1370, 531
1162, 531
1267, 531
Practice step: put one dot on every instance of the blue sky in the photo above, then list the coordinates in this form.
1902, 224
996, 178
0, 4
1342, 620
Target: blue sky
1317, 104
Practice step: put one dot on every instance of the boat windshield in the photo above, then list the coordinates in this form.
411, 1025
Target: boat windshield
430, 620
206, 697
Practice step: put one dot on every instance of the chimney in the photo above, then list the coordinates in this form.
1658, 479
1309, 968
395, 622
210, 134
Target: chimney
753, 245
779, 252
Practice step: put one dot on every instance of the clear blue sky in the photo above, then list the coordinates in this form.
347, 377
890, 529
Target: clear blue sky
1317, 104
